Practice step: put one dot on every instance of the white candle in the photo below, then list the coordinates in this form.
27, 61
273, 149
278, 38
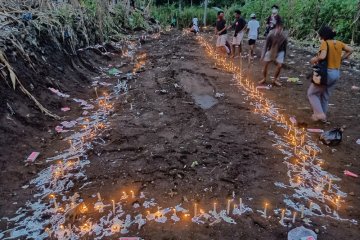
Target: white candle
132, 194
113, 205
228, 207
329, 185
265, 209
99, 197
195, 210
310, 205
282, 215
294, 217
55, 204
96, 92
214, 210
240, 205
302, 211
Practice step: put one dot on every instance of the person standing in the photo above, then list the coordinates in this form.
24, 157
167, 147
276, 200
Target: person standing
239, 25
274, 51
221, 32
195, 25
272, 20
331, 50
253, 27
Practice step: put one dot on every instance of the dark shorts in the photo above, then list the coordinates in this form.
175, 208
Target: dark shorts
252, 42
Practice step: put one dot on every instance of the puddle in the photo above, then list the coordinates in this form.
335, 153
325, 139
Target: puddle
205, 101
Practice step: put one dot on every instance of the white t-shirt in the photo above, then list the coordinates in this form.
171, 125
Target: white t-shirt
253, 26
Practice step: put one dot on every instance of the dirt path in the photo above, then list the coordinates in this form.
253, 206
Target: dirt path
186, 134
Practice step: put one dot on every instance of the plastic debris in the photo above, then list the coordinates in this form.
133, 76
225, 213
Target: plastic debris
60, 94
301, 233
219, 95
315, 130
332, 137
32, 157
69, 124
65, 109
114, 71
294, 79
263, 87
351, 174
293, 120
195, 163
60, 129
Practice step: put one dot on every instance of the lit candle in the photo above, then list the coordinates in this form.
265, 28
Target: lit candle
195, 210
83, 209
282, 215
302, 211
228, 207
99, 197
266, 205
294, 217
329, 185
310, 205
132, 194
214, 210
337, 201
113, 205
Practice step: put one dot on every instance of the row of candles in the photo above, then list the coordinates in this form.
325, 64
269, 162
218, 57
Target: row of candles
90, 131
231, 204
297, 138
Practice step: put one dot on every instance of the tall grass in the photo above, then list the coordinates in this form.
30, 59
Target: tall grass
164, 14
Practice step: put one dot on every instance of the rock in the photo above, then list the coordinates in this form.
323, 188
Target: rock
301, 232
352, 194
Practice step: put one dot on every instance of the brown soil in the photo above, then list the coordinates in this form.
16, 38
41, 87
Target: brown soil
166, 126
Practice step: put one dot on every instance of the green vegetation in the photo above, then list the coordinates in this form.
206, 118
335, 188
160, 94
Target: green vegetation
302, 17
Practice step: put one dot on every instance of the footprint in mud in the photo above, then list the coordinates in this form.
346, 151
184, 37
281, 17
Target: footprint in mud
199, 89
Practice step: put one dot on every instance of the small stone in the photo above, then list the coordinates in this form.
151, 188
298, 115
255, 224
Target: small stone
352, 194
316, 230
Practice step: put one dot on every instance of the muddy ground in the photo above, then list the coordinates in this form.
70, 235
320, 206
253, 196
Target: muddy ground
178, 141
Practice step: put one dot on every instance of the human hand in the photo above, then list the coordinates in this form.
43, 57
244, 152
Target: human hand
314, 60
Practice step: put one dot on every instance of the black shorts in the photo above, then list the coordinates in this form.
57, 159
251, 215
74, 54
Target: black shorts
252, 42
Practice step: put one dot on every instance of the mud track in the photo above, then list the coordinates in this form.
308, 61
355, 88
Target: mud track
185, 134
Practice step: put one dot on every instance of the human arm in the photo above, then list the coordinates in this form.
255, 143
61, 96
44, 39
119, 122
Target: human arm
219, 32
348, 51
322, 53
319, 57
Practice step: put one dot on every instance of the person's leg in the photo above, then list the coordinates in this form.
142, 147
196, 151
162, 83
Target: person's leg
240, 38
313, 93
333, 76
279, 61
265, 71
